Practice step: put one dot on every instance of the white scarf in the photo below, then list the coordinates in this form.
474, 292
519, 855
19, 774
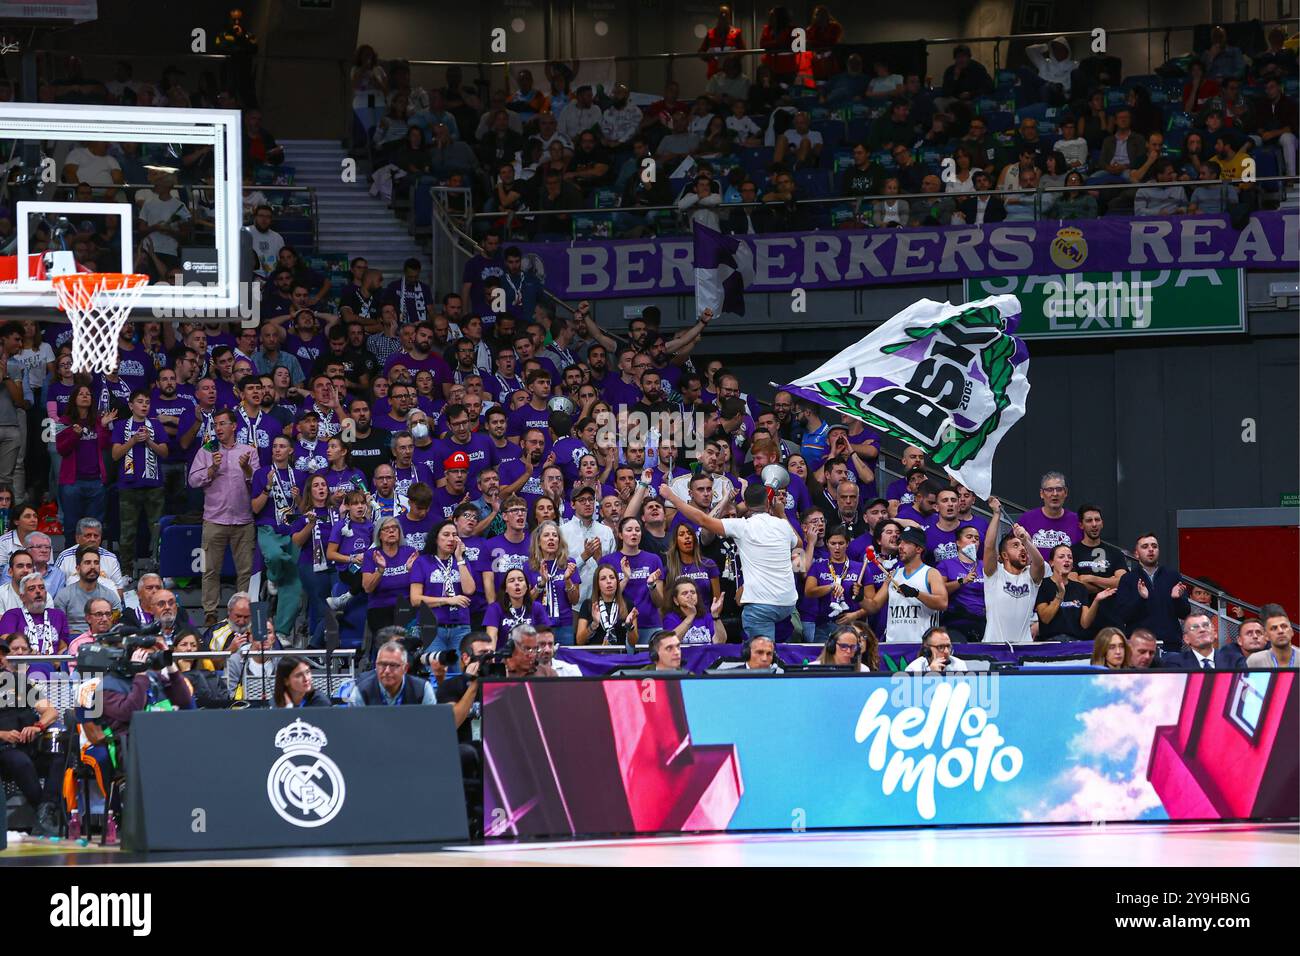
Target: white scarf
44, 636
150, 459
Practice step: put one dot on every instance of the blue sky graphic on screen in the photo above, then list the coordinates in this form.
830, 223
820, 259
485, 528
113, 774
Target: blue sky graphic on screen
1036, 748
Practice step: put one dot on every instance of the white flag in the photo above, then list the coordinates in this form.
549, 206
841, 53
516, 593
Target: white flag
951, 379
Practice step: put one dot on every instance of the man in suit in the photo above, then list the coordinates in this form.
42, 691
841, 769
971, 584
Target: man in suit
1202, 651
977, 210
1144, 650
1153, 597
1250, 639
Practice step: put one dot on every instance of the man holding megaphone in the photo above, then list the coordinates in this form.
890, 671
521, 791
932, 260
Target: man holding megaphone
769, 549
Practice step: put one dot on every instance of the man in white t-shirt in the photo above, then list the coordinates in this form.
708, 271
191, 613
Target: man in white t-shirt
92, 164
1013, 570
164, 218
267, 243
766, 543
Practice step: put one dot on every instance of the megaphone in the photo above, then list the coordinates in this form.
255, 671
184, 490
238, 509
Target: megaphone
775, 477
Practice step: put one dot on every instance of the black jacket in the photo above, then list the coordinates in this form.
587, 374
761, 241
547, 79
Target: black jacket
995, 211
1187, 661
1159, 612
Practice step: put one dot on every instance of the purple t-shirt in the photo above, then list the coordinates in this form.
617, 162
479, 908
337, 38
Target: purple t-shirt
59, 394
256, 430
500, 554
351, 539
479, 450
506, 621
968, 597
135, 367
43, 639
306, 352
897, 491
349, 479
312, 555
432, 362
183, 409
280, 503
140, 467
568, 452
1046, 533
554, 597
531, 489
442, 579
396, 578
508, 452
476, 554
618, 392
874, 574
525, 417
850, 574
704, 572
446, 502
405, 477
908, 512
700, 631
501, 387
808, 606
416, 533
635, 590
942, 544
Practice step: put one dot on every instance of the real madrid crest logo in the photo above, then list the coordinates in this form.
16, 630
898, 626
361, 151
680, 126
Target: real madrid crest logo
1069, 249
304, 786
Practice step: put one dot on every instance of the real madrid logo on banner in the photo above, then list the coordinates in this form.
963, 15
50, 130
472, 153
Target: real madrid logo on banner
305, 787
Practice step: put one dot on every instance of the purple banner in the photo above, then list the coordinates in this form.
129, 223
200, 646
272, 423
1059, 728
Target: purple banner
697, 658
849, 258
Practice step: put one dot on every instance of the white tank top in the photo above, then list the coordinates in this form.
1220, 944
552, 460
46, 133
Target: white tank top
908, 617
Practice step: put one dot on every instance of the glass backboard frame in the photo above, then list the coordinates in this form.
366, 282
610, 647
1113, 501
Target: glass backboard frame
220, 129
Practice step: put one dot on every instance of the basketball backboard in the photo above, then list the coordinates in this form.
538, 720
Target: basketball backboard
111, 221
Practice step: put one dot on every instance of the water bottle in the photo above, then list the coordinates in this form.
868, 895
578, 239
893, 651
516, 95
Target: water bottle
74, 825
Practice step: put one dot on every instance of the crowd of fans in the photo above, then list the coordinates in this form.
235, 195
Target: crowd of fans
384, 448
825, 125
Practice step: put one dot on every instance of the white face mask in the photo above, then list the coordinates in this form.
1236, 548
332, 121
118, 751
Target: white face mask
419, 430
969, 551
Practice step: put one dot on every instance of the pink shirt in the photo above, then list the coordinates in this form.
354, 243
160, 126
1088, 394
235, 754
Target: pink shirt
227, 495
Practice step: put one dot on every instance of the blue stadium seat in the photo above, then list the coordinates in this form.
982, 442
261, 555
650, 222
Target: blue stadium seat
1175, 138
180, 552
1035, 111
297, 232
1266, 165
1148, 80
814, 183
757, 154
832, 130
999, 120
856, 131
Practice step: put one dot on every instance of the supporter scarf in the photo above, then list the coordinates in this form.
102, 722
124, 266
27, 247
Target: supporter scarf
43, 637
417, 297
248, 434
448, 574
129, 466
282, 494
328, 426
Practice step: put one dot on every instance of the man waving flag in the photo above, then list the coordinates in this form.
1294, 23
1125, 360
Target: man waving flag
951, 379
723, 267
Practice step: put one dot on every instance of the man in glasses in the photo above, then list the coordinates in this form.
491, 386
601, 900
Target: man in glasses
389, 684
936, 655
1052, 524
1202, 650
525, 658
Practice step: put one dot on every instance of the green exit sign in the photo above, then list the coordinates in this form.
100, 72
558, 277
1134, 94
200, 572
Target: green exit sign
1291, 501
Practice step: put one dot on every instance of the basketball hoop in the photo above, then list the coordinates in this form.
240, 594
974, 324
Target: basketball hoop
97, 304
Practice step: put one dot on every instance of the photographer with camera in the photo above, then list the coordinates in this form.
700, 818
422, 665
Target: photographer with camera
461, 691
140, 675
250, 661
390, 684
25, 715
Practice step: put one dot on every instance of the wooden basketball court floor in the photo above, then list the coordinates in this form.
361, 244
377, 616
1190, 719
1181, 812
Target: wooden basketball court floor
1115, 845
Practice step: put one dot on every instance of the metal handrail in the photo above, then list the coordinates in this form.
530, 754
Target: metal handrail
347, 652
827, 200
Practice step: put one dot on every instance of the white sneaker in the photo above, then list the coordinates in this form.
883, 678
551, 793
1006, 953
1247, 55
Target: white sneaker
340, 602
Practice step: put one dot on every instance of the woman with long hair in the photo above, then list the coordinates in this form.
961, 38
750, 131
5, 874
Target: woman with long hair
514, 607
208, 687
386, 573
82, 443
293, 685
445, 582
689, 618
341, 475
685, 562
1076, 202
310, 531
605, 618
1110, 650
1066, 609
543, 511
843, 649
869, 646
553, 578
963, 180
640, 573
1194, 155
836, 581
1055, 169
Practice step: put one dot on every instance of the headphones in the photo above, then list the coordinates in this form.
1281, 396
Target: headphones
655, 641
745, 648
831, 641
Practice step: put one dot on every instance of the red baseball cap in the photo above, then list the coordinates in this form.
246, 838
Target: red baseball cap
457, 459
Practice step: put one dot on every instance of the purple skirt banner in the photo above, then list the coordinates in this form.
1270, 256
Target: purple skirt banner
852, 258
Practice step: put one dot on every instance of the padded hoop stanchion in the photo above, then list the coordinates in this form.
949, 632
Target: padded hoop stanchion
97, 304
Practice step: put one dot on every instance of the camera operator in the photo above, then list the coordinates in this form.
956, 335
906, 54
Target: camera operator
150, 682
461, 691
390, 684
25, 715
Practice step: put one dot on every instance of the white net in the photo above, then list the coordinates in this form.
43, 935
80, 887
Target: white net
97, 305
